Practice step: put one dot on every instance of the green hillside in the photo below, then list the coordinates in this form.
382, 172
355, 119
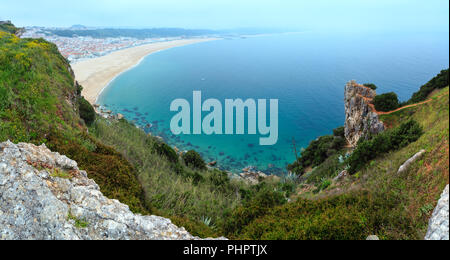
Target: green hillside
8, 27
40, 102
376, 200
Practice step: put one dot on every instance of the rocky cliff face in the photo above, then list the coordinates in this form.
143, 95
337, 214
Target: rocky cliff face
43, 195
360, 116
438, 225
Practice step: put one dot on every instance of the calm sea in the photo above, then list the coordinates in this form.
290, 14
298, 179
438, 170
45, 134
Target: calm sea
306, 72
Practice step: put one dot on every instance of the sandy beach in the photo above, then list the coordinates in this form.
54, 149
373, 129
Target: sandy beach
95, 74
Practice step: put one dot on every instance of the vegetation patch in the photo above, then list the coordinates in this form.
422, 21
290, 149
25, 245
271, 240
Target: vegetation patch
438, 82
318, 151
59, 173
37, 91
194, 160
79, 223
367, 150
386, 102
87, 112
370, 85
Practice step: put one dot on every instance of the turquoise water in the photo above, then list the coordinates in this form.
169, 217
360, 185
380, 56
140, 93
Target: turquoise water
306, 72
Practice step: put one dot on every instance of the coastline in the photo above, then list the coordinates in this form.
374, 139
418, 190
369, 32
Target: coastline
97, 73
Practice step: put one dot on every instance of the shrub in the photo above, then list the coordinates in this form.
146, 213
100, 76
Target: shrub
325, 183
166, 151
318, 151
3, 98
220, 179
386, 102
340, 131
9, 28
370, 85
367, 150
194, 160
87, 112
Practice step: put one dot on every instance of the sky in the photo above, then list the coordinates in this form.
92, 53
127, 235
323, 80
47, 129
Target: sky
324, 15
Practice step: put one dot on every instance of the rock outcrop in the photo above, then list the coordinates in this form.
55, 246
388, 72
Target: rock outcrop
438, 225
43, 195
372, 237
410, 161
361, 118
252, 176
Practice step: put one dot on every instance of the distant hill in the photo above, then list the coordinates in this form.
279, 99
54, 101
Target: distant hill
78, 27
7, 26
133, 33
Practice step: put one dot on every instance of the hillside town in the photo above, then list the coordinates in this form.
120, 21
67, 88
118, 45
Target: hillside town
79, 47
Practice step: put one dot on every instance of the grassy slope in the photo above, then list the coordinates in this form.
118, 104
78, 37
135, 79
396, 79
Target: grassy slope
38, 104
376, 200
174, 192
9, 28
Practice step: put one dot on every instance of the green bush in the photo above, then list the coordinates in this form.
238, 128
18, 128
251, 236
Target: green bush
339, 132
368, 150
318, 151
3, 97
370, 85
386, 102
87, 112
167, 151
9, 28
194, 160
325, 183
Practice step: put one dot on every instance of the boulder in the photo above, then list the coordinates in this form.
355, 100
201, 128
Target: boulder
372, 237
438, 224
45, 196
410, 161
341, 175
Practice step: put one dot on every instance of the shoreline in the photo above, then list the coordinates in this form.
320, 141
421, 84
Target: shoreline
96, 74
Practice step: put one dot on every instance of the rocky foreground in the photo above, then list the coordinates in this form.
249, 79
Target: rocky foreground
43, 195
438, 226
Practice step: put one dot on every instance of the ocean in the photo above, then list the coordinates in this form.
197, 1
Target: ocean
306, 72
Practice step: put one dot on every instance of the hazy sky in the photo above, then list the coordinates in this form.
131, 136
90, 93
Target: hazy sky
336, 15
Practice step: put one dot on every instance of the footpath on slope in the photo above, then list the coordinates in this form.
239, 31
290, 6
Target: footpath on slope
408, 106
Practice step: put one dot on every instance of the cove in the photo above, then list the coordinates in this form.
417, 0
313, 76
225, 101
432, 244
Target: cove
305, 72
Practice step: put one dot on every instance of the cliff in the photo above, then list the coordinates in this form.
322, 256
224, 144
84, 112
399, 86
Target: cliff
361, 118
43, 195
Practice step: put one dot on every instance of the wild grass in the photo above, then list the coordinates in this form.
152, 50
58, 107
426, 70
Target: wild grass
167, 187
